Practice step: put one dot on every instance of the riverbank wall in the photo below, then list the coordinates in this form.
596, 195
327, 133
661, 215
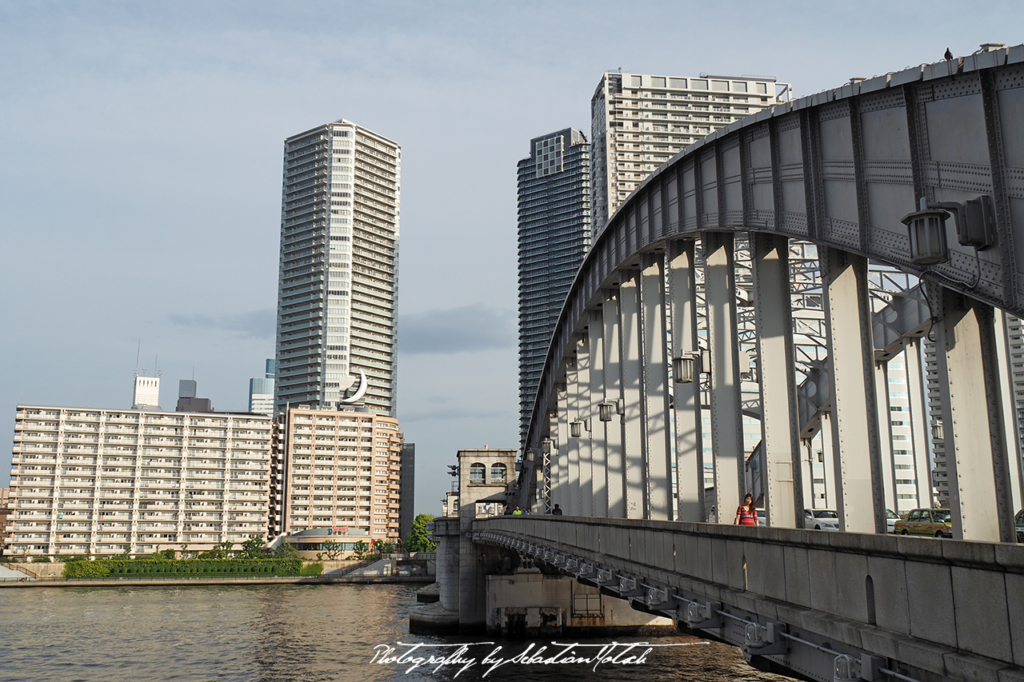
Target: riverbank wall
194, 582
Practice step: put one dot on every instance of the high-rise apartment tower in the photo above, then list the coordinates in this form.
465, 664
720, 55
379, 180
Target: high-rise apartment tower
554, 235
639, 122
338, 282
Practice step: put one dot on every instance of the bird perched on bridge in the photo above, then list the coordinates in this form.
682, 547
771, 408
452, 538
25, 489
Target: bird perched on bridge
949, 55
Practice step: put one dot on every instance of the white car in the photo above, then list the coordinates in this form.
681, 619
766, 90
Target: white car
891, 518
821, 519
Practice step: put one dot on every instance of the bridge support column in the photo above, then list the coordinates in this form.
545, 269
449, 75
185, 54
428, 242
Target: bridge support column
616, 469
689, 444
585, 414
726, 410
828, 463
885, 452
1011, 419
858, 480
918, 423
573, 468
632, 381
657, 442
780, 430
561, 485
979, 485
807, 476
599, 429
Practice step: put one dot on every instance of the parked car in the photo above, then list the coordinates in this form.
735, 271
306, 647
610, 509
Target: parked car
891, 518
821, 519
1019, 522
932, 522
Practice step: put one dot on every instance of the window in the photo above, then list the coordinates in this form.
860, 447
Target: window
498, 472
478, 474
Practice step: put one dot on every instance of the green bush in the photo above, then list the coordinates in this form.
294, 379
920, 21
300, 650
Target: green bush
159, 568
312, 569
40, 560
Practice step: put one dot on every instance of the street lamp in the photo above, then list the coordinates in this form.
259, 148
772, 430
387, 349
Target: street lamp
606, 409
575, 428
938, 432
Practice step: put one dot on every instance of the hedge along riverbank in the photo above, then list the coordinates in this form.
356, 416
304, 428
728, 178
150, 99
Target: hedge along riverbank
173, 568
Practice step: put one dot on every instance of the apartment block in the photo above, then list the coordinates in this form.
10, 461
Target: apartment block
102, 482
640, 121
342, 471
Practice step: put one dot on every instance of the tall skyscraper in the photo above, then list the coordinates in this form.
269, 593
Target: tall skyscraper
639, 122
554, 234
338, 282
407, 511
261, 391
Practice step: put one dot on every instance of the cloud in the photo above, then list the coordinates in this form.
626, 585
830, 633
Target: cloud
468, 328
257, 324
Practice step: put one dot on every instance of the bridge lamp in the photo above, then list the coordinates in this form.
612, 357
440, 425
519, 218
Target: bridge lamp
927, 235
575, 428
938, 433
684, 368
606, 409
547, 447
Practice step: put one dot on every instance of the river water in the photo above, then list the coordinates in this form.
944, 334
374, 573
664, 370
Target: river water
301, 633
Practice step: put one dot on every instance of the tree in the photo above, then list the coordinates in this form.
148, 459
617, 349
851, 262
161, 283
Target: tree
360, 549
253, 548
224, 549
332, 550
418, 540
383, 548
286, 551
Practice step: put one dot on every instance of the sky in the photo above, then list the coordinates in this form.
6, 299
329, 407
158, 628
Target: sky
141, 152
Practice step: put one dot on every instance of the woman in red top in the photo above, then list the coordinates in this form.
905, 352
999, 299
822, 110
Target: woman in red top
746, 514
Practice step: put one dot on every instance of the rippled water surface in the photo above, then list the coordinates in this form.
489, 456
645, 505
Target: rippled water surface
280, 632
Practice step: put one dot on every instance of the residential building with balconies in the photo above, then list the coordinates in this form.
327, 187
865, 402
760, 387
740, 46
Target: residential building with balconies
338, 279
342, 470
99, 482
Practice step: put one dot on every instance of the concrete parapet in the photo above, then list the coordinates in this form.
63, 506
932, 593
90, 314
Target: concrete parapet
916, 600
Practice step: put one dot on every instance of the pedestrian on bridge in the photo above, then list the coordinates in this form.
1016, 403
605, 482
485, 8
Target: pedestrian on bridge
746, 514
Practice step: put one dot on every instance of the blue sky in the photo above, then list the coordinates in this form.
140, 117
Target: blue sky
141, 151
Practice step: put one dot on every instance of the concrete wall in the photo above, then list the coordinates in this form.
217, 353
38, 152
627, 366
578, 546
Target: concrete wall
41, 570
936, 604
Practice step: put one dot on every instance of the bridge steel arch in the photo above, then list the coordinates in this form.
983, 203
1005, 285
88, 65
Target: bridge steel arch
839, 169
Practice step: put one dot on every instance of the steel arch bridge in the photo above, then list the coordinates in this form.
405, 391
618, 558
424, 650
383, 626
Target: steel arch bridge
920, 171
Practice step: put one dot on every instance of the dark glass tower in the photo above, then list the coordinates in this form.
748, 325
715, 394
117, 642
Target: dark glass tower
554, 235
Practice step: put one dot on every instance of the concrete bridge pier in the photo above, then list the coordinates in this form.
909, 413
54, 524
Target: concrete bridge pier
483, 587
